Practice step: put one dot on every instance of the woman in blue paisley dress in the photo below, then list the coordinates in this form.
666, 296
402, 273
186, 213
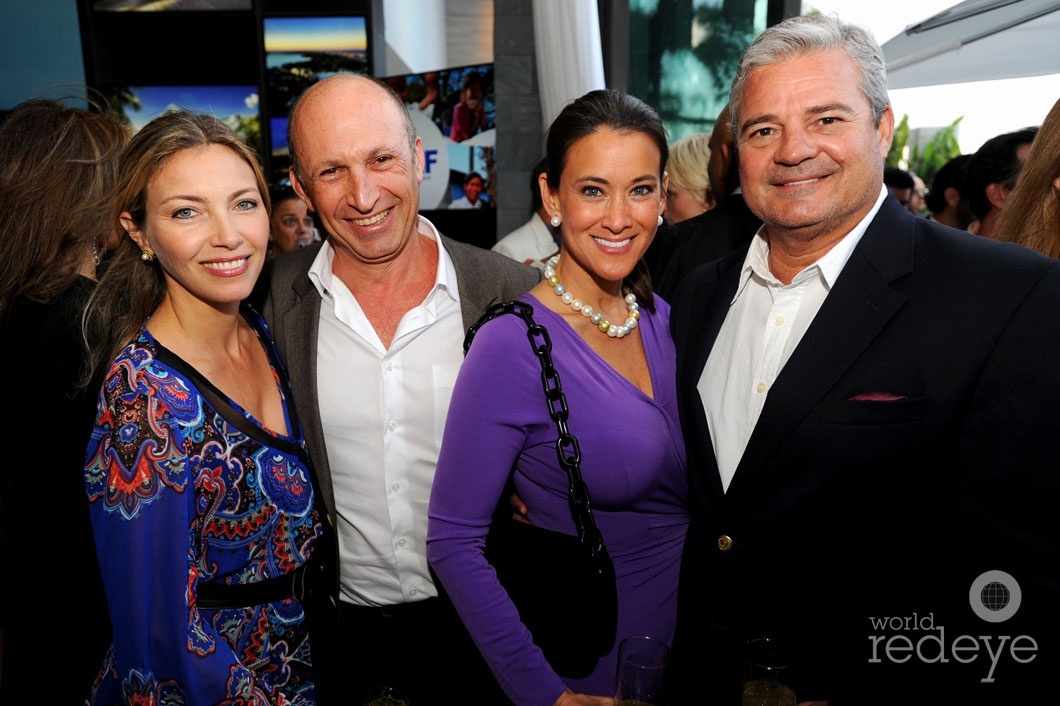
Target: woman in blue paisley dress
199, 484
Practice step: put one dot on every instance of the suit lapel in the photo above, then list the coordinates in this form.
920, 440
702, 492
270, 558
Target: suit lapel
852, 316
710, 304
480, 284
301, 323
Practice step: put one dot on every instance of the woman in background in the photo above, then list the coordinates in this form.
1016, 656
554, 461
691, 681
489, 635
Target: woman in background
1031, 216
56, 163
291, 226
689, 193
605, 191
197, 475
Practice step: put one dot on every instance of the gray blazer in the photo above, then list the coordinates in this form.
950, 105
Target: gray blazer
291, 307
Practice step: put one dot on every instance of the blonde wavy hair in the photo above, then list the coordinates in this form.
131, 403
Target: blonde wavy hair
687, 166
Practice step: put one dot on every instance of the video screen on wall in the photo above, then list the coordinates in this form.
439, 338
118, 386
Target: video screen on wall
280, 157
236, 105
454, 113
299, 51
170, 5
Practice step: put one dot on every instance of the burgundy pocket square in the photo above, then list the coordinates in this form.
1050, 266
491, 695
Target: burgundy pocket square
876, 397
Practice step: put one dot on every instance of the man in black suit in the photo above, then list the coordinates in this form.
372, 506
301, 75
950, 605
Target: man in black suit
681, 247
868, 401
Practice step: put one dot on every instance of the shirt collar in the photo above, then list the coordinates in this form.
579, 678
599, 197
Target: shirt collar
322, 277
828, 267
445, 277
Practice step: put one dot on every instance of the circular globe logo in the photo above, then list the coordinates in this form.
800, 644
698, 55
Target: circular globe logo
995, 596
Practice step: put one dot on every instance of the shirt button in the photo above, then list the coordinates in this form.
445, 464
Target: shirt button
413, 591
388, 365
725, 542
761, 387
401, 542
779, 320
392, 426
396, 487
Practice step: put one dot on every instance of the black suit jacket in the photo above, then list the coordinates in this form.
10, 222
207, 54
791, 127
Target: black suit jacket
680, 248
855, 522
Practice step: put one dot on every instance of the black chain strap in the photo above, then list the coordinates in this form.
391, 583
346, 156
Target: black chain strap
567, 448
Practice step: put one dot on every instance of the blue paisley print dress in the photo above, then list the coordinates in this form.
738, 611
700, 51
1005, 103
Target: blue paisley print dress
186, 487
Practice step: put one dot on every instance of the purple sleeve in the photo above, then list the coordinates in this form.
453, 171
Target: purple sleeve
497, 398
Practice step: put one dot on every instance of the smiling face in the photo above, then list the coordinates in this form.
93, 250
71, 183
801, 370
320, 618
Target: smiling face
811, 156
205, 220
609, 198
361, 173
473, 189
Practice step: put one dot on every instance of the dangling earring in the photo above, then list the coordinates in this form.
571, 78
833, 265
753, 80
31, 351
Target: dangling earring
556, 220
660, 220
147, 255
97, 256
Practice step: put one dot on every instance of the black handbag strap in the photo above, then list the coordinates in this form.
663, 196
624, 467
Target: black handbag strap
567, 448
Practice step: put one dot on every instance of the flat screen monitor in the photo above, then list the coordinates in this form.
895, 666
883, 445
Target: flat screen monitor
236, 105
299, 51
170, 5
433, 99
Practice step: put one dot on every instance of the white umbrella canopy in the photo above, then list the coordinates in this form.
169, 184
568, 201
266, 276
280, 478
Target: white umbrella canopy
977, 40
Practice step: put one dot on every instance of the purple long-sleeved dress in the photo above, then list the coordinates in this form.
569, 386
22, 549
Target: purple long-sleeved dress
633, 462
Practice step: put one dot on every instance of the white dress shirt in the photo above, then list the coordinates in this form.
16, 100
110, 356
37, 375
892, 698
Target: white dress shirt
531, 243
463, 202
765, 322
383, 412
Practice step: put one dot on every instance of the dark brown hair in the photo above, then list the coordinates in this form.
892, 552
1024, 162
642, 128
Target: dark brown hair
1031, 216
615, 110
56, 164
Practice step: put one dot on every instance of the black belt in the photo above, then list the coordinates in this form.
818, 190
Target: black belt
396, 610
214, 594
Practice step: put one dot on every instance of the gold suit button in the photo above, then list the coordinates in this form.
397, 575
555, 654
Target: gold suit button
725, 542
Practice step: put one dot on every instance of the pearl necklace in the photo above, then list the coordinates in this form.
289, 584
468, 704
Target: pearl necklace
605, 326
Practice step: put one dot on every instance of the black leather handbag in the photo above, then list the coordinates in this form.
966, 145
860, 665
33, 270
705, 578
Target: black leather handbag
563, 585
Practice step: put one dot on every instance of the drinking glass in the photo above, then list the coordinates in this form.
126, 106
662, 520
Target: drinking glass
642, 659
765, 674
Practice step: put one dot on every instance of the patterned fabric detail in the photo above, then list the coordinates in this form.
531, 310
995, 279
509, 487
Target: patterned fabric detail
182, 492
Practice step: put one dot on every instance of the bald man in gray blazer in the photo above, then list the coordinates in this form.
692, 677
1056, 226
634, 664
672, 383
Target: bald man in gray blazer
370, 325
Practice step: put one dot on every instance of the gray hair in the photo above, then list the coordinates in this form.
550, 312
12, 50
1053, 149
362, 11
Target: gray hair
292, 147
809, 34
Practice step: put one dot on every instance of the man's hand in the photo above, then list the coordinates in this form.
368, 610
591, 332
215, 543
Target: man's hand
519, 509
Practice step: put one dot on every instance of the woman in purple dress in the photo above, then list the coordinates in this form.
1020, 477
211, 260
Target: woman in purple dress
605, 190
198, 479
